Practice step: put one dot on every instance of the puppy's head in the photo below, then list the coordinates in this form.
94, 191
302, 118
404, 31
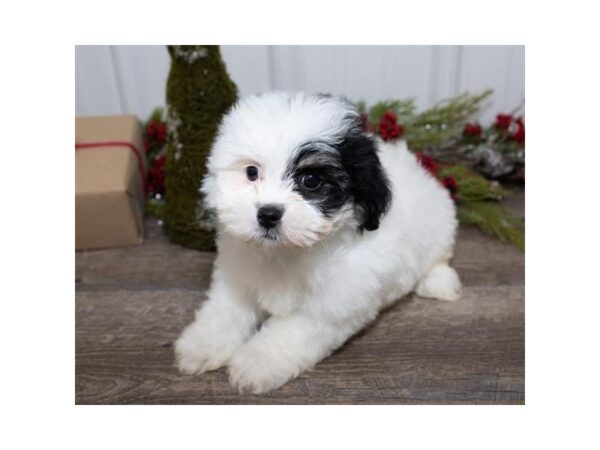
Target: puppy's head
290, 170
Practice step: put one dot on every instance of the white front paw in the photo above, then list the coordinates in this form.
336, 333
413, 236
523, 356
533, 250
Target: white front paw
197, 351
253, 370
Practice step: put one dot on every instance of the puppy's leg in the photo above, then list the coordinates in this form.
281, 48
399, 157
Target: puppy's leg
284, 348
441, 282
223, 323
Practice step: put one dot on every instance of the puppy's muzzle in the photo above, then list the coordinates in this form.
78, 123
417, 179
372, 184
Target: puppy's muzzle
269, 216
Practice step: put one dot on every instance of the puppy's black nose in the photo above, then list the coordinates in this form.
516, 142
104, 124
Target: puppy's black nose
269, 215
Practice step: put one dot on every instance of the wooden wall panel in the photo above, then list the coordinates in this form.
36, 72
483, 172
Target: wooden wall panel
131, 79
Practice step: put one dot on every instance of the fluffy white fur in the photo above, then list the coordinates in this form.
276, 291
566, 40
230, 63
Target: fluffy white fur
275, 309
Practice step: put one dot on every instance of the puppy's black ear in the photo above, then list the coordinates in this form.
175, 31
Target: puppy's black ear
369, 185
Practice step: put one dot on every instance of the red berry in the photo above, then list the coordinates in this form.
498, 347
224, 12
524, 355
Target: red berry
451, 184
472, 129
428, 163
390, 116
503, 121
388, 126
519, 134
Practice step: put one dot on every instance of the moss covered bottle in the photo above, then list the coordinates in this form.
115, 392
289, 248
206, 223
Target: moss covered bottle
199, 92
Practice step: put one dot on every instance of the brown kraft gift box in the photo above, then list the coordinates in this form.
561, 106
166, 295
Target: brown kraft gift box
110, 176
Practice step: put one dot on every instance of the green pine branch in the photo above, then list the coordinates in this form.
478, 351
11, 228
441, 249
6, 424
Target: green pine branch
433, 126
472, 186
495, 220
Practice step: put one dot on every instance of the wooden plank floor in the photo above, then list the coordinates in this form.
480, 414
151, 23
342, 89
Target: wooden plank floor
131, 304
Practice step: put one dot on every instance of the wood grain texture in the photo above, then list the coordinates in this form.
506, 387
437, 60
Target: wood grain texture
132, 303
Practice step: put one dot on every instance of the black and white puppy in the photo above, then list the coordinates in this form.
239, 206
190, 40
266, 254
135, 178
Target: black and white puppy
320, 226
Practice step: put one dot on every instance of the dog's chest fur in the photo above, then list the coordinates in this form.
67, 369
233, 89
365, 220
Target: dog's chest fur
278, 281
282, 286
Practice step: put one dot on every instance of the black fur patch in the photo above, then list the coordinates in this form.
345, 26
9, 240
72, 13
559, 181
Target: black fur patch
324, 161
369, 185
350, 171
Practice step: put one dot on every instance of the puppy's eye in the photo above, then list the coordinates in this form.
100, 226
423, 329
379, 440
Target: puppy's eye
311, 181
252, 173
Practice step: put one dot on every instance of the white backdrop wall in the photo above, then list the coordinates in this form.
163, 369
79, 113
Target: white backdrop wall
131, 79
